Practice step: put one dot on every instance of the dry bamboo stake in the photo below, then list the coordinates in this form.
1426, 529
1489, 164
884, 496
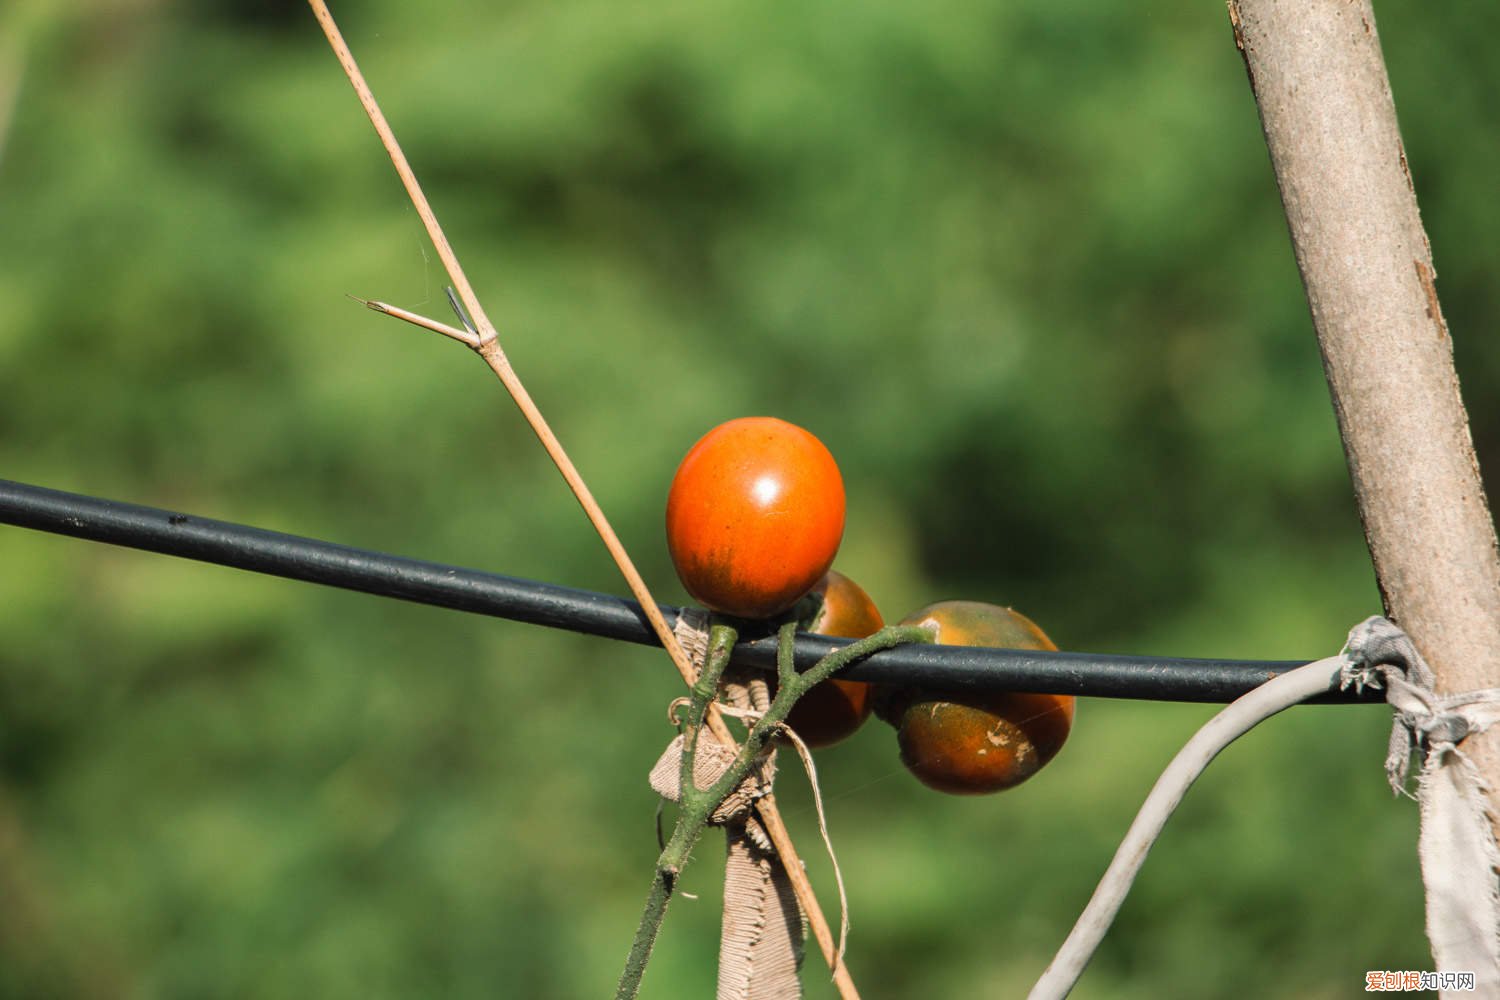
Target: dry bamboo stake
1325, 103
488, 347
488, 344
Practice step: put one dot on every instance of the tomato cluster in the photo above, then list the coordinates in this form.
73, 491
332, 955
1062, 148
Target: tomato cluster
755, 516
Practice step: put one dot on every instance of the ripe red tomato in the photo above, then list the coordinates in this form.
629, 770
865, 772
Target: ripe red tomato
972, 744
754, 516
834, 709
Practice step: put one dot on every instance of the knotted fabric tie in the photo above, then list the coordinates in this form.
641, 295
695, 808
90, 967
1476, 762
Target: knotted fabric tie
1457, 841
761, 941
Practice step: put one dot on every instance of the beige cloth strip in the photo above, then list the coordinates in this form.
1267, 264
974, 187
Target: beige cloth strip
761, 941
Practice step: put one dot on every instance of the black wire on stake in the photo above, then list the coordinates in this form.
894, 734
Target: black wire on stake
958, 668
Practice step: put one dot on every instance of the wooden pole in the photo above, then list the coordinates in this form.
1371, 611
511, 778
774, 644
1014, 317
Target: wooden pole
1330, 123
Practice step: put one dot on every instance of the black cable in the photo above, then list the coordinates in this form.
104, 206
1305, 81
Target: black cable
954, 667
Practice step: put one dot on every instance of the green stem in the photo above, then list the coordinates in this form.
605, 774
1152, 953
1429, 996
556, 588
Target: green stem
786, 666
788, 691
696, 804
886, 638
645, 934
721, 640
692, 817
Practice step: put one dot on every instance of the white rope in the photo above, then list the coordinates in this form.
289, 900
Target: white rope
1239, 717
1457, 845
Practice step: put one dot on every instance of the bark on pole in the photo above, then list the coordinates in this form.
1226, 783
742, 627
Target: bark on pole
1325, 104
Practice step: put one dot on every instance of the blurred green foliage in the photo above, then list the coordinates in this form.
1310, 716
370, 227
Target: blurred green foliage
1021, 265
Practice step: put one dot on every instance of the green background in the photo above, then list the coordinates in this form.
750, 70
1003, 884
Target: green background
1022, 267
